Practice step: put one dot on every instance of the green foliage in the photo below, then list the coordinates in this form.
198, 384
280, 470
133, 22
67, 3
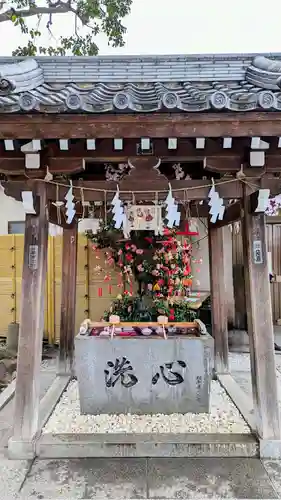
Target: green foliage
95, 16
178, 311
130, 308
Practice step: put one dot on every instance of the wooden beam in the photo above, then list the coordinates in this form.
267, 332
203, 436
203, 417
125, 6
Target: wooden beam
68, 300
31, 325
218, 298
260, 327
48, 126
195, 189
73, 160
228, 275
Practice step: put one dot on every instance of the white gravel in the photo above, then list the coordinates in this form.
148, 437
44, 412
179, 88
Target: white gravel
223, 418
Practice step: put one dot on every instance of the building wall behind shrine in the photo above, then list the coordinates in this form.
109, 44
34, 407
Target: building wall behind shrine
273, 233
93, 294
10, 211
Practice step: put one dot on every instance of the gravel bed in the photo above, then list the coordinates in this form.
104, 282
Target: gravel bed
223, 418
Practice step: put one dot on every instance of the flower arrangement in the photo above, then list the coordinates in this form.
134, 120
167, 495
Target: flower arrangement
175, 311
160, 264
134, 257
172, 269
130, 308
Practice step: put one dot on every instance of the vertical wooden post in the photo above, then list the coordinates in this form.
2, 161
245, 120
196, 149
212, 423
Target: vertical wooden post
51, 291
68, 299
31, 327
228, 274
218, 299
260, 327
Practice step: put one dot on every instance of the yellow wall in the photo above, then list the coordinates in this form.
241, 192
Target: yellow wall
88, 303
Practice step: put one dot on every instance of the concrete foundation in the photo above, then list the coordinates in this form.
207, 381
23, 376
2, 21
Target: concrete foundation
12, 337
144, 375
145, 445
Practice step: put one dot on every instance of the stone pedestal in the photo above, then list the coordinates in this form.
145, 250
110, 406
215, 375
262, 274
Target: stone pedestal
144, 375
12, 337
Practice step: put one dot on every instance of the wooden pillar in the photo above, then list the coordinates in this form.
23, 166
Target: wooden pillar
228, 274
68, 299
31, 327
260, 327
218, 298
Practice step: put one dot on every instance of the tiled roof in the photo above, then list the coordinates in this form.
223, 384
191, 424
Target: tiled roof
141, 84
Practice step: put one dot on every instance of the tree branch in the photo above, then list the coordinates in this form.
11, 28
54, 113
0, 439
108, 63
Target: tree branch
58, 8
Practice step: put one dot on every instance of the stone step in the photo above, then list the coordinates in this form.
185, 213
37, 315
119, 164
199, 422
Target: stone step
146, 445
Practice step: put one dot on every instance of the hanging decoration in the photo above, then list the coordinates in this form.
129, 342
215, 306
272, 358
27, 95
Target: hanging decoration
172, 214
27, 201
144, 218
118, 211
216, 204
190, 228
263, 199
70, 206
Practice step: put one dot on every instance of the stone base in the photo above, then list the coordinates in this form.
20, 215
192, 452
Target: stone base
54, 446
21, 450
270, 449
144, 375
13, 337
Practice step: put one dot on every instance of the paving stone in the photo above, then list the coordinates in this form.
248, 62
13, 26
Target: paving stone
208, 478
244, 380
86, 479
13, 473
273, 469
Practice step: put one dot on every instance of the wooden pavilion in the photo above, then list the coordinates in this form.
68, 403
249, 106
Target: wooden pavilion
63, 119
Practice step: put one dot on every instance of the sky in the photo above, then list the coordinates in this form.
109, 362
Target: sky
183, 27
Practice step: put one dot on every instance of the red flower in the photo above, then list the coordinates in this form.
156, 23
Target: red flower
172, 315
187, 271
129, 257
149, 240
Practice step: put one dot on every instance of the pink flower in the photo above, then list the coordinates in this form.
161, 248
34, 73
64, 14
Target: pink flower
139, 251
134, 248
120, 251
